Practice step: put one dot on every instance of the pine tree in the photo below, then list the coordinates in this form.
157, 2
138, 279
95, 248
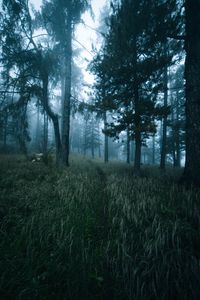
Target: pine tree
132, 59
192, 75
60, 18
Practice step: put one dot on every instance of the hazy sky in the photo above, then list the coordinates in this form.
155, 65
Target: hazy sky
84, 35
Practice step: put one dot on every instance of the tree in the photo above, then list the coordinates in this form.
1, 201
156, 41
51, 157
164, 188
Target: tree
176, 135
59, 18
192, 91
36, 64
131, 63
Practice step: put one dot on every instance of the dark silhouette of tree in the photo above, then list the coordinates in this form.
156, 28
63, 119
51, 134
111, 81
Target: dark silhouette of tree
59, 18
192, 91
130, 66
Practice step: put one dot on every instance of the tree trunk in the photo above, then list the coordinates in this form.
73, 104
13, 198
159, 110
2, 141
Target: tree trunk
192, 90
138, 144
128, 147
132, 148
85, 138
45, 133
138, 139
99, 140
37, 133
5, 125
67, 93
153, 149
92, 137
54, 118
136, 104
164, 131
105, 139
174, 130
21, 128
177, 133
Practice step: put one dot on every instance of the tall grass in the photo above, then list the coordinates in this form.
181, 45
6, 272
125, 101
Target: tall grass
96, 232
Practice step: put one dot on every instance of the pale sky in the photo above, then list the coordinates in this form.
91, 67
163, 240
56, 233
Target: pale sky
85, 35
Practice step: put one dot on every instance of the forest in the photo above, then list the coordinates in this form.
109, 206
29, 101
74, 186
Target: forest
100, 150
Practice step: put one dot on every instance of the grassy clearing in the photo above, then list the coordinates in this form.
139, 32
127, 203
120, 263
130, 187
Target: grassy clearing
96, 232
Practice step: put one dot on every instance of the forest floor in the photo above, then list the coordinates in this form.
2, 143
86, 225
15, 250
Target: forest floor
95, 231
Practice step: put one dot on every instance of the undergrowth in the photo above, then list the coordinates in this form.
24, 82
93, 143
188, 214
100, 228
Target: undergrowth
96, 231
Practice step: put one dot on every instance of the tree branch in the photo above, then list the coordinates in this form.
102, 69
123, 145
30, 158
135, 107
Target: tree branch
177, 37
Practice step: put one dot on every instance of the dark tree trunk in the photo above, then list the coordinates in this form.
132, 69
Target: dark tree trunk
192, 90
174, 131
138, 144
178, 150
92, 138
136, 104
45, 133
85, 138
37, 133
138, 139
21, 128
99, 151
132, 150
153, 149
57, 140
164, 128
54, 118
105, 139
177, 135
99, 140
5, 125
67, 93
128, 147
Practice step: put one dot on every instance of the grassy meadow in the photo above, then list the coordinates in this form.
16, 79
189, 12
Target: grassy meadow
95, 231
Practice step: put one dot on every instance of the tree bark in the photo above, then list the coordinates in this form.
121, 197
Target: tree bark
128, 147
164, 131
5, 125
138, 144
37, 134
67, 92
45, 133
177, 134
105, 139
138, 139
85, 138
132, 150
53, 117
99, 140
21, 129
136, 105
174, 130
153, 149
92, 137
192, 90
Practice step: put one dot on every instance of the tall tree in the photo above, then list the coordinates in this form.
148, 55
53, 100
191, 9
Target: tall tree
59, 18
133, 55
192, 90
164, 124
35, 63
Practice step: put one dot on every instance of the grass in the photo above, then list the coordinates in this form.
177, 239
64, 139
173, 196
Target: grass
95, 231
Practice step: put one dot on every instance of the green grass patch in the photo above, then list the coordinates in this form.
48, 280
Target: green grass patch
96, 231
